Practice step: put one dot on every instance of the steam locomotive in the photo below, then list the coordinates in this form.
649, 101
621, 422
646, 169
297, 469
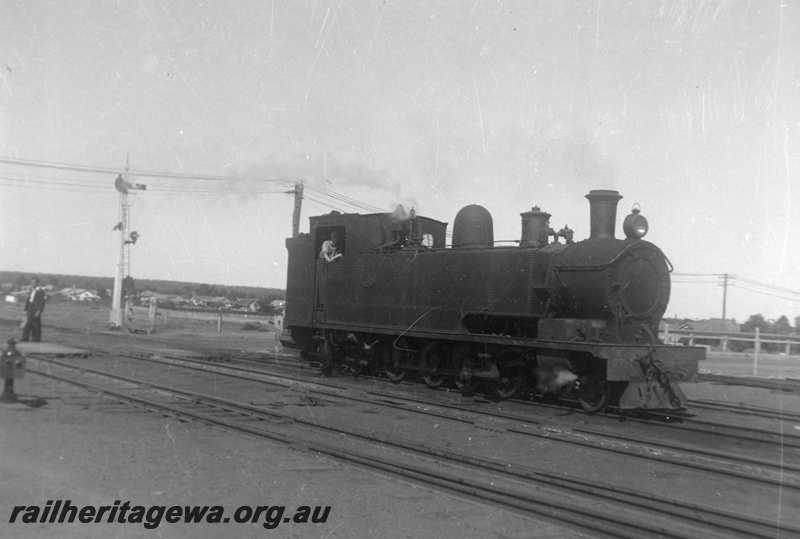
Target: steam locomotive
579, 319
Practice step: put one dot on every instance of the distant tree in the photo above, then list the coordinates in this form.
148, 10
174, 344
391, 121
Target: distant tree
756, 321
782, 327
22, 280
53, 280
272, 296
797, 324
235, 293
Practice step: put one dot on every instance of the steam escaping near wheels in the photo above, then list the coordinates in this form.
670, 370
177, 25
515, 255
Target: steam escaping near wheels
552, 381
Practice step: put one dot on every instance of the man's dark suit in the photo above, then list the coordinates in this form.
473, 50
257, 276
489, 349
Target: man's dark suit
33, 311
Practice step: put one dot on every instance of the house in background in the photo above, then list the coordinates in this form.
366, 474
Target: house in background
83, 295
712, 325
76, 294
714, 332
220, 301
201, 301
209, 301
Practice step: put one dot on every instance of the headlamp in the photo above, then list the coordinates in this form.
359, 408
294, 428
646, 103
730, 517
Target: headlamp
635, 226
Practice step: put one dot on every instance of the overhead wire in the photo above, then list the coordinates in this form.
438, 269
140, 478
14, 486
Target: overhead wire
143, 173
49, 186
182, 176
168, 175
768, 286
322, 202
732, 280
52, 183
322, 196
737, 281
765, 293
347, 200
677, 274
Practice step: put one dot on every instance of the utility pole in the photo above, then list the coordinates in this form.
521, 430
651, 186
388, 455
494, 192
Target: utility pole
724, 296
298, 204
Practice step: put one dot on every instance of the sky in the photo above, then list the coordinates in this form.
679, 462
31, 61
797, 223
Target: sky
690, 109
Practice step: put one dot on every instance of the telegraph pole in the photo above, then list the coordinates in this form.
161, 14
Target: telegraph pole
298, 204
724, 296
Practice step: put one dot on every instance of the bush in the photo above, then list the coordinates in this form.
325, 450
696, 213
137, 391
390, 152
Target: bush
253, 326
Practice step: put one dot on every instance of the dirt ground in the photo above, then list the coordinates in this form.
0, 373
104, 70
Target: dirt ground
74, 446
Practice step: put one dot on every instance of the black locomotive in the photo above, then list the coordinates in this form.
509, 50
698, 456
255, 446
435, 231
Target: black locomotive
578, 318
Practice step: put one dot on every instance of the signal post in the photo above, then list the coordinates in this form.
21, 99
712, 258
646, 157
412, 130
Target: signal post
116, 316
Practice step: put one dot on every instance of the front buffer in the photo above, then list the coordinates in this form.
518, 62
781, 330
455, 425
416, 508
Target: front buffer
652, 373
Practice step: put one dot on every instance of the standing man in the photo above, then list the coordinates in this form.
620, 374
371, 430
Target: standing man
33, 312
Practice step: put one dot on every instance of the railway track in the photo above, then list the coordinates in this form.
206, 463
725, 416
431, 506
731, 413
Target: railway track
745, 410
347, 389
289, 359
594, 506
789, 384
780, 438
649, 448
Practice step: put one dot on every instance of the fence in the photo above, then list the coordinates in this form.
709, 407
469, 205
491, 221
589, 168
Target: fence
163, 314
790, 343
723, 339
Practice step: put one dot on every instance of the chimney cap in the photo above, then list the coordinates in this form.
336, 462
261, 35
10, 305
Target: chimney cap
604, 193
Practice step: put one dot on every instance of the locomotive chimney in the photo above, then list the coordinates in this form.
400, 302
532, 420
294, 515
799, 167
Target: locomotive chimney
603, 204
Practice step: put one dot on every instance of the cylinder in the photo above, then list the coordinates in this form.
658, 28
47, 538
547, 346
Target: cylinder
603, 208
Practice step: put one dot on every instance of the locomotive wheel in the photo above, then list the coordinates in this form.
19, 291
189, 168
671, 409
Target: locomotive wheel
512, 376
593, 393
465, 358
394, 355
432, 359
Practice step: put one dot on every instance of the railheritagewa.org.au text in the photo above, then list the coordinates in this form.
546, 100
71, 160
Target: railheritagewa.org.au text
151, 517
